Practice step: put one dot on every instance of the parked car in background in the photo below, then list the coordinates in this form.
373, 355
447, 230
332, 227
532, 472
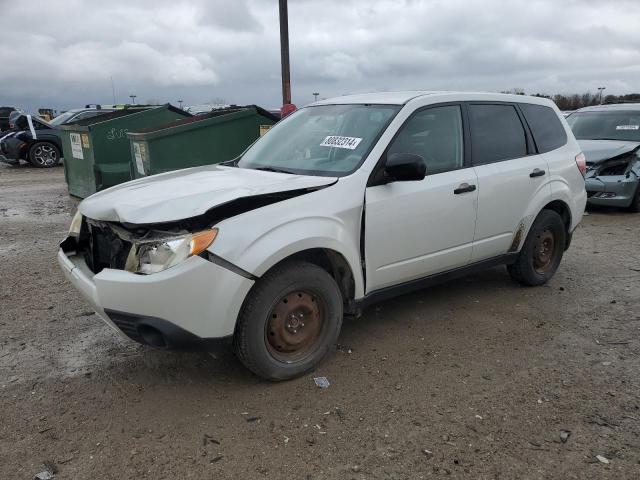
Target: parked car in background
32, 140
206, 108
37, 141
609, 136
76, 114
4, 117
343, 203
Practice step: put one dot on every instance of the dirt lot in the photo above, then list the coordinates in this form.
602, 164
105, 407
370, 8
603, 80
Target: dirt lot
472, 379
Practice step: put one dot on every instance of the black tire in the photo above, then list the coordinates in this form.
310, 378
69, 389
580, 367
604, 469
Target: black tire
542, 251
274, 313
635, 203
44, 155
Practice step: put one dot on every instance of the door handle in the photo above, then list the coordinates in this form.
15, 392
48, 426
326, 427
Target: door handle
537, 173
464, 188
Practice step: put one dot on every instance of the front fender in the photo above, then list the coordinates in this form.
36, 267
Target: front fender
292, 237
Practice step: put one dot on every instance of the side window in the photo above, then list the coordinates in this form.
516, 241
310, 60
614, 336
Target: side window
496, 133
547, 130
87, 114
436, 135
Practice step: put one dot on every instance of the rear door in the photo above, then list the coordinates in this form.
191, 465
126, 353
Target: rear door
417, 228
510, 175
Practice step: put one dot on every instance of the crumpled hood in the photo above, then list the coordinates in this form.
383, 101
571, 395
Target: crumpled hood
188, 193
598, 151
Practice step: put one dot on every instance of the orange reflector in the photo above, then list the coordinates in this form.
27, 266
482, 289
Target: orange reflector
200, 241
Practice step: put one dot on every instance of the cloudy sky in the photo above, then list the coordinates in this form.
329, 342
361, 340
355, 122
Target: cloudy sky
64, 53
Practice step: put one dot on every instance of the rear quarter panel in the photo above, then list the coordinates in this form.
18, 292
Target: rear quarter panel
567, 183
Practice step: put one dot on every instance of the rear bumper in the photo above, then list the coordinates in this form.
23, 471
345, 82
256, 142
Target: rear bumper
614, 191
193, 305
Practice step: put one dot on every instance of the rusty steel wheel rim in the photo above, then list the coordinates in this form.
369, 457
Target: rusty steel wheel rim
294, 327
545, 251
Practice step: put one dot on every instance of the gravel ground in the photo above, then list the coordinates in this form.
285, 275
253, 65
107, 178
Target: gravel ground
472, 379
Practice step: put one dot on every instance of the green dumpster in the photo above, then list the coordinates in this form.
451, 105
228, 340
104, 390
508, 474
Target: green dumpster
97, 153
200, 140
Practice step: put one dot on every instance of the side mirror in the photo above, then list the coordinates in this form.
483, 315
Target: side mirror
404, 167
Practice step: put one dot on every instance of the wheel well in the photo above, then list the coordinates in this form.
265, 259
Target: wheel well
561, 209
336, 266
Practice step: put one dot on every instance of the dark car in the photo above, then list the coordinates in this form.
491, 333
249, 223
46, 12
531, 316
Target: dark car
4, 117
33, 140
37, 141
77, 114
609, 136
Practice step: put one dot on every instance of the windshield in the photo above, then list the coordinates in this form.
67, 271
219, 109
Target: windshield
329, 140
63, 117
620, 125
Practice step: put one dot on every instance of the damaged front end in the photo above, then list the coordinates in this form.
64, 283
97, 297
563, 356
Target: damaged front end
147, 249
613, 181
137, 250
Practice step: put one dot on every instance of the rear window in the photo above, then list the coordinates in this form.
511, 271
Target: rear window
547, 130
496, 133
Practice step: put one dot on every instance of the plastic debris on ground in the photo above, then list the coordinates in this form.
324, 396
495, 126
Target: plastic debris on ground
322, 382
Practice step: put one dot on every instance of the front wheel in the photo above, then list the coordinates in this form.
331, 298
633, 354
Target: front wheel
44, 155
290, 320
542, 251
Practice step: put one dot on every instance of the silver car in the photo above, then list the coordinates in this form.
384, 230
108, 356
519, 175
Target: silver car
610, 139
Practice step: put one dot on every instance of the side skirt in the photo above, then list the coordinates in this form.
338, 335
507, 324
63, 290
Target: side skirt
424, 282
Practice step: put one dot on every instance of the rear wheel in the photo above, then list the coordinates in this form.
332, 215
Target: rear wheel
290, 320
542, 251
44, 155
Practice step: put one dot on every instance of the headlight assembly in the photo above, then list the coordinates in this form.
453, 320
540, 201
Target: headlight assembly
76, 224
156, 255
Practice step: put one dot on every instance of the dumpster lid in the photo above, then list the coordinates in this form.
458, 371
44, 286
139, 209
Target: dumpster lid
105, 117
120, 113
218, 112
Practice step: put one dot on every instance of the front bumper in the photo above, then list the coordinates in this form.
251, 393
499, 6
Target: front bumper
13, 148
612, 190
190, 305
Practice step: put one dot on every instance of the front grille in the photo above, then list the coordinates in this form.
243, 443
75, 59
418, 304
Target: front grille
103, 248
590, 193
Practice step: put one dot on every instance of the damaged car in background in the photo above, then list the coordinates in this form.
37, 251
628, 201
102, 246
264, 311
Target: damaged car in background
343, 203
610, 139
37, 141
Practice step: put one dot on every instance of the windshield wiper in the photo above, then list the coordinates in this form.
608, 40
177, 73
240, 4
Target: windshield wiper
274, 169
614, 139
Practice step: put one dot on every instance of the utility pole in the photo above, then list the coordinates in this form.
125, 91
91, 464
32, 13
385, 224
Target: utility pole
284, 53
600, 89
315, 96
133, 99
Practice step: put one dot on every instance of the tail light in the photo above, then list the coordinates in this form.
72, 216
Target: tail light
581, 161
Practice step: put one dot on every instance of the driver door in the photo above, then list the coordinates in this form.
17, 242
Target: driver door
414, 229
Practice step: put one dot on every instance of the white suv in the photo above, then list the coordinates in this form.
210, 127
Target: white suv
345, 202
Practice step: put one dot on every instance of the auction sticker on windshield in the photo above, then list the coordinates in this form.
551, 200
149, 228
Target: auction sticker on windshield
341, 142
76, 146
